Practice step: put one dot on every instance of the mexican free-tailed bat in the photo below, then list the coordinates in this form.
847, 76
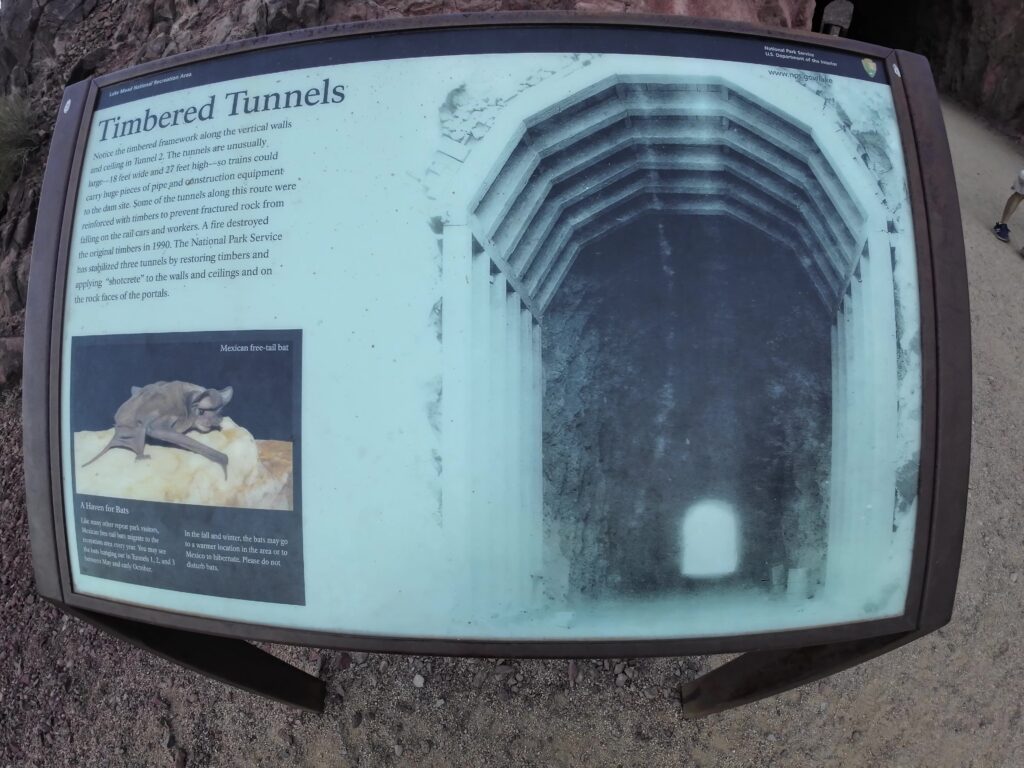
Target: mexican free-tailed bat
165, 411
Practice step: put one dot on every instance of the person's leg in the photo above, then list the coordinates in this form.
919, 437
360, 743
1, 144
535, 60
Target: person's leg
1002, 230
1011, 205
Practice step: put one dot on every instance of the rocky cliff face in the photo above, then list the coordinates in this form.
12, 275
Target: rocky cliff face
43, 46
976, 48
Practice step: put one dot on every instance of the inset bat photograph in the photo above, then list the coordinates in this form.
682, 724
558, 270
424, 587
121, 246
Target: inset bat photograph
188, 418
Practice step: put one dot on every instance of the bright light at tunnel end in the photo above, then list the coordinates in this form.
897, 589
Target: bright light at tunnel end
709, 540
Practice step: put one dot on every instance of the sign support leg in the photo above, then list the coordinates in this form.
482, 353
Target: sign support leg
229, 660
760, 674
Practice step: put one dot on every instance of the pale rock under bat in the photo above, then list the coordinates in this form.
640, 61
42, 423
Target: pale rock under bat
259, 471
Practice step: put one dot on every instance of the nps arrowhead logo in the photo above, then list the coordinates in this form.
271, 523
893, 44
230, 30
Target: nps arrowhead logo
870, 67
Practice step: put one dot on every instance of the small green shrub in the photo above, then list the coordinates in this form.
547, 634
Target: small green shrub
16, 137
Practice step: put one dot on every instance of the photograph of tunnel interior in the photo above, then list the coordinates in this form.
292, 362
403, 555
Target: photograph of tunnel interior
695, 294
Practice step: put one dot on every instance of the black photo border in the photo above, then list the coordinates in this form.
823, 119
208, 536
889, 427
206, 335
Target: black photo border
293, 337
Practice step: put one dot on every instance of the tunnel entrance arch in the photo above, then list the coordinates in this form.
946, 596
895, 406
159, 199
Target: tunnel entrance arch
556, 173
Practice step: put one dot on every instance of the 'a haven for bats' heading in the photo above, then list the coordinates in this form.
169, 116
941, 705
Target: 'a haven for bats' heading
239, 103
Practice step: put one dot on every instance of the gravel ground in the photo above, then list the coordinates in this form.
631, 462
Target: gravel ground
70, 696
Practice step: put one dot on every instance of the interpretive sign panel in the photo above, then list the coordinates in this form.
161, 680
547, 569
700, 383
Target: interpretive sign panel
573, 342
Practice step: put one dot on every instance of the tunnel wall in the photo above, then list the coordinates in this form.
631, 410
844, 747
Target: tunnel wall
685, 358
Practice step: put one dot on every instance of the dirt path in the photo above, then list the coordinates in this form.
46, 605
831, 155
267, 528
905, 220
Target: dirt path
72, 697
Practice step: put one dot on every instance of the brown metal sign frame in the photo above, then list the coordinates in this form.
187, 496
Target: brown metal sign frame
773, 661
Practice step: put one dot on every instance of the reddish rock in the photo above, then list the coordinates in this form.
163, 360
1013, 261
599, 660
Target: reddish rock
974, 47
776, 13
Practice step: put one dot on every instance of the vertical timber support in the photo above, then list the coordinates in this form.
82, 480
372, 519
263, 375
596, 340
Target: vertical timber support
536, 448
840, 415
457, 423
498, 516
531, 560
513, 464
492, 392
861, 464
864, 418
845, 445
480, 426
879, 285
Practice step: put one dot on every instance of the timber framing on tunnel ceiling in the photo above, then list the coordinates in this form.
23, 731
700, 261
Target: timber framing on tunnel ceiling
628, 146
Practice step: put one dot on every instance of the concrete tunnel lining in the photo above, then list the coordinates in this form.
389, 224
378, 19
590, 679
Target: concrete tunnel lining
548, 153
550, 167
702, 153
738, 192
